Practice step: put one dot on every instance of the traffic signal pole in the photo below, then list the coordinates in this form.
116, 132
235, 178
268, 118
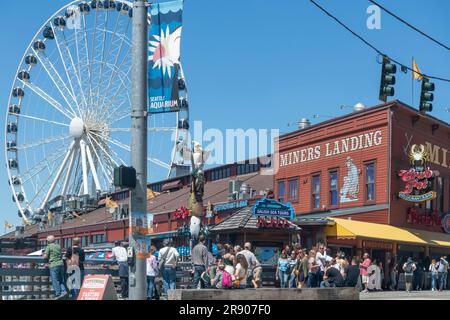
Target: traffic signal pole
138, 274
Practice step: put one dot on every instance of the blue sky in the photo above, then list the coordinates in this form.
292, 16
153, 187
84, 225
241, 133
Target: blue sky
258, 64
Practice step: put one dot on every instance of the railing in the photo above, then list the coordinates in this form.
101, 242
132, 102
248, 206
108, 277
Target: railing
25, 277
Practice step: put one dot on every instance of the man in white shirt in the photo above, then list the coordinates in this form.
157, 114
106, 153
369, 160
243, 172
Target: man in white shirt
321, 260
119, 254
167, 263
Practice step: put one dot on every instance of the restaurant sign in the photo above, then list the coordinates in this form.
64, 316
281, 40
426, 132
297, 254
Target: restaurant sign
272, 208
418, 179
420, 217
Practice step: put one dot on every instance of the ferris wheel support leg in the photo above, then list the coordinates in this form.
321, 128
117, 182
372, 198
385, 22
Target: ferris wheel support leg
58, 176
93, 169
69, 173
85, 169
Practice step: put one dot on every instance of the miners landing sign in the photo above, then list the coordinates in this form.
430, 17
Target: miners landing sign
330, 149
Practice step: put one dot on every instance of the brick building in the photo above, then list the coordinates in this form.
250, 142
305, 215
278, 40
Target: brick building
342, 177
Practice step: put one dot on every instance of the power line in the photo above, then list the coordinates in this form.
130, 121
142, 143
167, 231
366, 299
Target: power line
410, 25
373, 47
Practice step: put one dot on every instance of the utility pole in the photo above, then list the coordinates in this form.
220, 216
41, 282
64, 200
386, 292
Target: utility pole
138, 274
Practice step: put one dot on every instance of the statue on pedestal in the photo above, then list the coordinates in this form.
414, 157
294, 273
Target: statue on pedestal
198, 158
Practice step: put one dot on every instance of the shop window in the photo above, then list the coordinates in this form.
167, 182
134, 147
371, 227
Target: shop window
84, 241
293, 190
316, 191
281, 191
370, 181
334, 188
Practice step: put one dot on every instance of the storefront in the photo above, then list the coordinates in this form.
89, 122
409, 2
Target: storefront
376, 181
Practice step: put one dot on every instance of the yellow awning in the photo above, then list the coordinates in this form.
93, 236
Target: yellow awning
351, 229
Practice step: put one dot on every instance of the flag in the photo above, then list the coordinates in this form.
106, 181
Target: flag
50, 216
76, 215
416, 71
8, 225
164, 66
111, 203
152, 194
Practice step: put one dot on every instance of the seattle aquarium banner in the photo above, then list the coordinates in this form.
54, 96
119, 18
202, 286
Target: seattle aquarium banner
164, 67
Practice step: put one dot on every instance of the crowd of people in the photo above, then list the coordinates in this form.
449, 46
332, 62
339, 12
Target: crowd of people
232, 267
236, 267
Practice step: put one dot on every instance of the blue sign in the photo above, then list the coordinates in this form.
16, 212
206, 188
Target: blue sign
230, 205
164, 66
418, 197
272, 208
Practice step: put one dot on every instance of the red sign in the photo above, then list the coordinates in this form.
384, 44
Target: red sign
417, 216
415, 179
97, 287
271, 222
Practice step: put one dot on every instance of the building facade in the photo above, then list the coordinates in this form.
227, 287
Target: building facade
348, 169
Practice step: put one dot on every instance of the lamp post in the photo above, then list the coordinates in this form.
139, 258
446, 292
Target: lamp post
138, 275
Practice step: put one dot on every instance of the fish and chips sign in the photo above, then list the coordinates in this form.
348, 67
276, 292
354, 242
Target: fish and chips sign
273, 214
418, 179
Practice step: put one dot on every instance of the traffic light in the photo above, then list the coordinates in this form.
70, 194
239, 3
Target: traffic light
125, 177
426, 96
387, 79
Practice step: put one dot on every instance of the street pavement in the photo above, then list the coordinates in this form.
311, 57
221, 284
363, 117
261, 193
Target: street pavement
403, 295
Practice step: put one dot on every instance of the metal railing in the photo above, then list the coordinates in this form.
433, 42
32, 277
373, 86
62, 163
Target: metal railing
27, 277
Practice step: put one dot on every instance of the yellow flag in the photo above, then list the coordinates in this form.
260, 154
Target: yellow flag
151, 194
8, 225
50, 216
111, 203
25, 222
416, 71
76, 215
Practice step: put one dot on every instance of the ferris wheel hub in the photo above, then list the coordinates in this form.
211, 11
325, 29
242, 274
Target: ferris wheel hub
76, 128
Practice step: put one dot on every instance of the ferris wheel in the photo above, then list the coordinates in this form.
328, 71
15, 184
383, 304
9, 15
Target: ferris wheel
68, 118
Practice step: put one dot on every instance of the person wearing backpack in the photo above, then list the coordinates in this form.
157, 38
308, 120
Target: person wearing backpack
222, 280
409, 267
75, 257
167, 265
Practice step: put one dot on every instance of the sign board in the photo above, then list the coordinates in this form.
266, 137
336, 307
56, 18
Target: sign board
164, 65
97, 287
271, 222
446, 223
230, 205
418, 179
272, 208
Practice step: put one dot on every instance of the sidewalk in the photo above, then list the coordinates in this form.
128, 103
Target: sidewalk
403, 295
